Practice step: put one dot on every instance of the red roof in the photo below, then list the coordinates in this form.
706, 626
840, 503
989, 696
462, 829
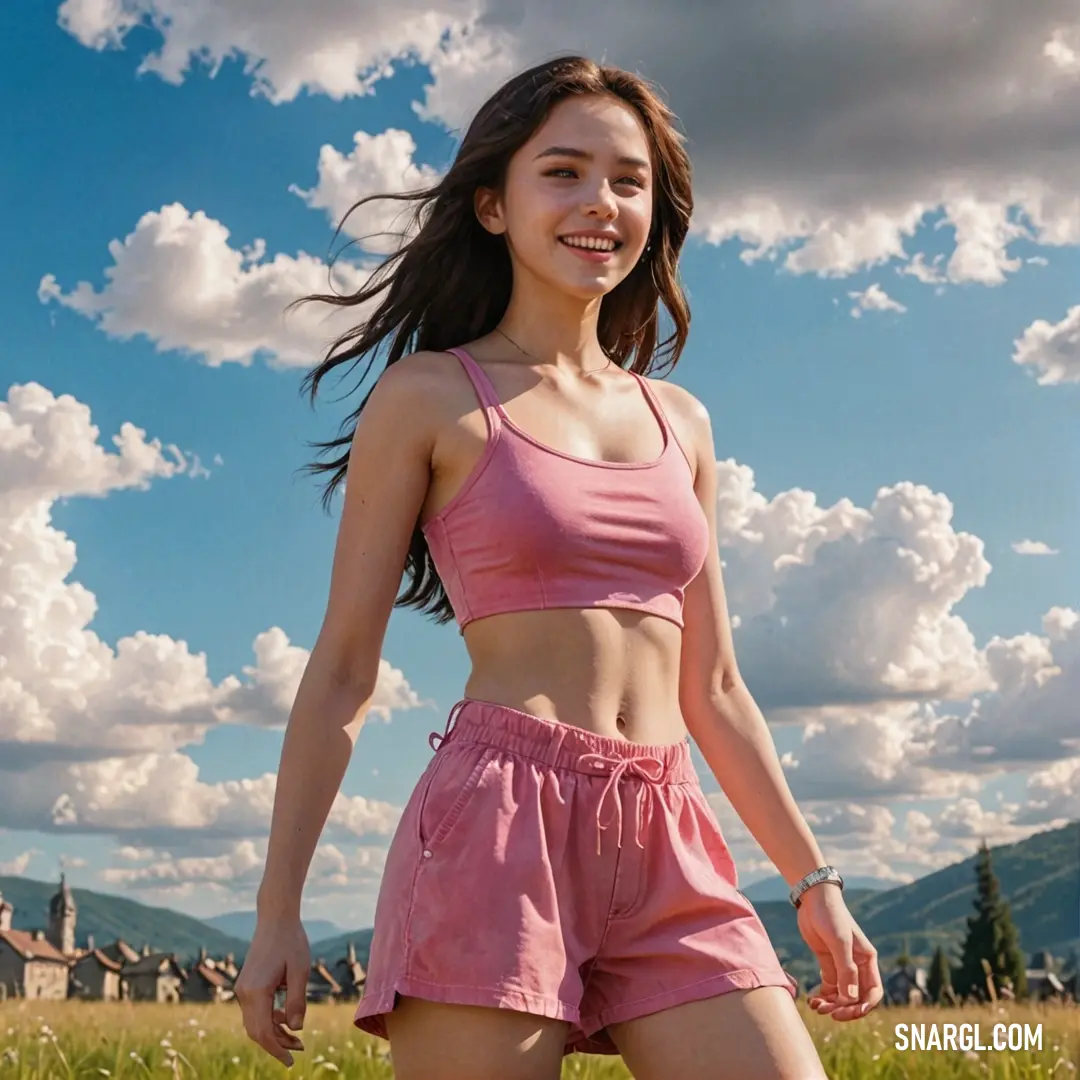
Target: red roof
126, 952
106, 962
212, 976
31, 948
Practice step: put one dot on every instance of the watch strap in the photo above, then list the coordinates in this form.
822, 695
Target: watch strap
819, 876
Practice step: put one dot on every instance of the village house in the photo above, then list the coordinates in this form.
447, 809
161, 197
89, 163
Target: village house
121, 952
350, 976
47, 964
341, 981
155, 976
1045, 980
210, 980
33, 963
96, 975
905, 985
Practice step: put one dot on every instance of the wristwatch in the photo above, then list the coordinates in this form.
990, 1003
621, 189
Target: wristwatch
815, 877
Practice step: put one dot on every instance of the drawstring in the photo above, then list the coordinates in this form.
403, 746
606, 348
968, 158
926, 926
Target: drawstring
446, 730
647, 768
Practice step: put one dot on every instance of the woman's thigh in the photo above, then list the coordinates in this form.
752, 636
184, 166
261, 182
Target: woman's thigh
743, 1034
434, 1041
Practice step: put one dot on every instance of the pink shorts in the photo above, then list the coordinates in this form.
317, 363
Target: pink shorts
544, 868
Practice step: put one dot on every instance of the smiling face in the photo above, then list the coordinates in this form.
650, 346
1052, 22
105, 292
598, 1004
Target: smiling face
586, 171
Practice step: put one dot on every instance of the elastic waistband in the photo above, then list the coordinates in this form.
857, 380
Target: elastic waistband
558, 744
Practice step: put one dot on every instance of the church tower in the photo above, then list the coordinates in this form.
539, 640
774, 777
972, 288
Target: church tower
62, 919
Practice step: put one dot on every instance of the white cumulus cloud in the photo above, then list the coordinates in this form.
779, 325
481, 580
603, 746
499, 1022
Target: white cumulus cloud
873, 298
1034, 547
177, 281
1030, 716
378, 164
1052, 350
92, 736
845, 604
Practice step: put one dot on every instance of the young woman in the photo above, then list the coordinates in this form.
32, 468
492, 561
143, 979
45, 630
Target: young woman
558, 880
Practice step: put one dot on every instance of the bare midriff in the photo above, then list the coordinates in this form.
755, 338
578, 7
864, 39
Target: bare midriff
610, 671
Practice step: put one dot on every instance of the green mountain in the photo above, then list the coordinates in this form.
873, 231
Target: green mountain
334, 948
1040, 877
241, 924
110, 917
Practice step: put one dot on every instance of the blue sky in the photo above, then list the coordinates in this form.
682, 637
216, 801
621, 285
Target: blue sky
801, 392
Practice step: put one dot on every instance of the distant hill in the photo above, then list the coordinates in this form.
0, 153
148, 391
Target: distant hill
776, 888
108, 917
331, 949
1039, 876
241, 924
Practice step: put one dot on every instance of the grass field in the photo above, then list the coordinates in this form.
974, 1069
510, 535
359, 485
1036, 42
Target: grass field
64, 1040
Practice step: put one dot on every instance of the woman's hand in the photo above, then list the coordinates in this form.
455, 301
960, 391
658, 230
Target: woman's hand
850, 980
279, 956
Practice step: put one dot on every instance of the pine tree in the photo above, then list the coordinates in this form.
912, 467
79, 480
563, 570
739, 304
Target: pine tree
991, 935
940, 975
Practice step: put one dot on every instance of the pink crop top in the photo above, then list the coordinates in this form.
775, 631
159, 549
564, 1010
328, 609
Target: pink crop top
533, 528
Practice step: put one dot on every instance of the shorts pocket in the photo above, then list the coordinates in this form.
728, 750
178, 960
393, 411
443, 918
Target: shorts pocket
455, 774
713, 839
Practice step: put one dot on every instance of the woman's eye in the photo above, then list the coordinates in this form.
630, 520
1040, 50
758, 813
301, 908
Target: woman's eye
623, 180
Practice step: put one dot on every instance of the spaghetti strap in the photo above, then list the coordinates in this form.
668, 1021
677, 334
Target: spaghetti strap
669, 432
477, 376
654, 404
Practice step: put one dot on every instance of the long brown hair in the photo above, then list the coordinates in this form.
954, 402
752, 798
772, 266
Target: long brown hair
450, 282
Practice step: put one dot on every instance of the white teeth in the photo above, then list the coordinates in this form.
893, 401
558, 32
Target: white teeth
589, 242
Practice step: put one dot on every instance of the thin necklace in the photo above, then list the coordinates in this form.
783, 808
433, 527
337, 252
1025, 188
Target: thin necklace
581, 374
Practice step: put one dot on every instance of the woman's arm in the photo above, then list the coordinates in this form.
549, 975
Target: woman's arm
388, 477
718, 709
389, 472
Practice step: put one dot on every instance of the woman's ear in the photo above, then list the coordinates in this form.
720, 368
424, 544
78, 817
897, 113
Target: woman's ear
488, 209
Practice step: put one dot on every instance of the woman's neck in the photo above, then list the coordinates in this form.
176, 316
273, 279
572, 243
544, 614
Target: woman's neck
566, 340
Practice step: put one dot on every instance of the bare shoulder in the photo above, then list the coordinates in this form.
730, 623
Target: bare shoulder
420, 375
417, 389
429, 374
678, 400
